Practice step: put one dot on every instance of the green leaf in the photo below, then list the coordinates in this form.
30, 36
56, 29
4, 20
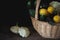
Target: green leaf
32, 12
42, 17
29, 3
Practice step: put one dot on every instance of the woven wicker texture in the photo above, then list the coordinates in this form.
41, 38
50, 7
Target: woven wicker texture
44, 28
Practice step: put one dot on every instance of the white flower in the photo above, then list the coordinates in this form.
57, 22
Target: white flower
24, 31
14, 29
56, 5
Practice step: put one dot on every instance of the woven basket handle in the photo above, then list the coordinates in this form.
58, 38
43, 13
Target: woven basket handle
37, 7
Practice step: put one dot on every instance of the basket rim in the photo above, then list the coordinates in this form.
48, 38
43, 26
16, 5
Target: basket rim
58, 24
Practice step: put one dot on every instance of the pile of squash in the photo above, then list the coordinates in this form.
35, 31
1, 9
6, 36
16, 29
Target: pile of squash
48, 13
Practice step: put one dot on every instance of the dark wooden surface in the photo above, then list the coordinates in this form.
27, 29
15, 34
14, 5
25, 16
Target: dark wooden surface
33, 36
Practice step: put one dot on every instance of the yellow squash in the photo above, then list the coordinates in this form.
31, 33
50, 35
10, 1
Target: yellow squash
50, 9
43, 11
56, 18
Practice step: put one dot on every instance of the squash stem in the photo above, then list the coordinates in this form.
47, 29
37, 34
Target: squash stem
17, 24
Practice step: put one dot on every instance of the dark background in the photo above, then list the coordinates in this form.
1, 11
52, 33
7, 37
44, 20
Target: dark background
11, 13
14, 11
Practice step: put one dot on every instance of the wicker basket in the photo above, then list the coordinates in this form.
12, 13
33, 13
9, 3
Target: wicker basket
44, 28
